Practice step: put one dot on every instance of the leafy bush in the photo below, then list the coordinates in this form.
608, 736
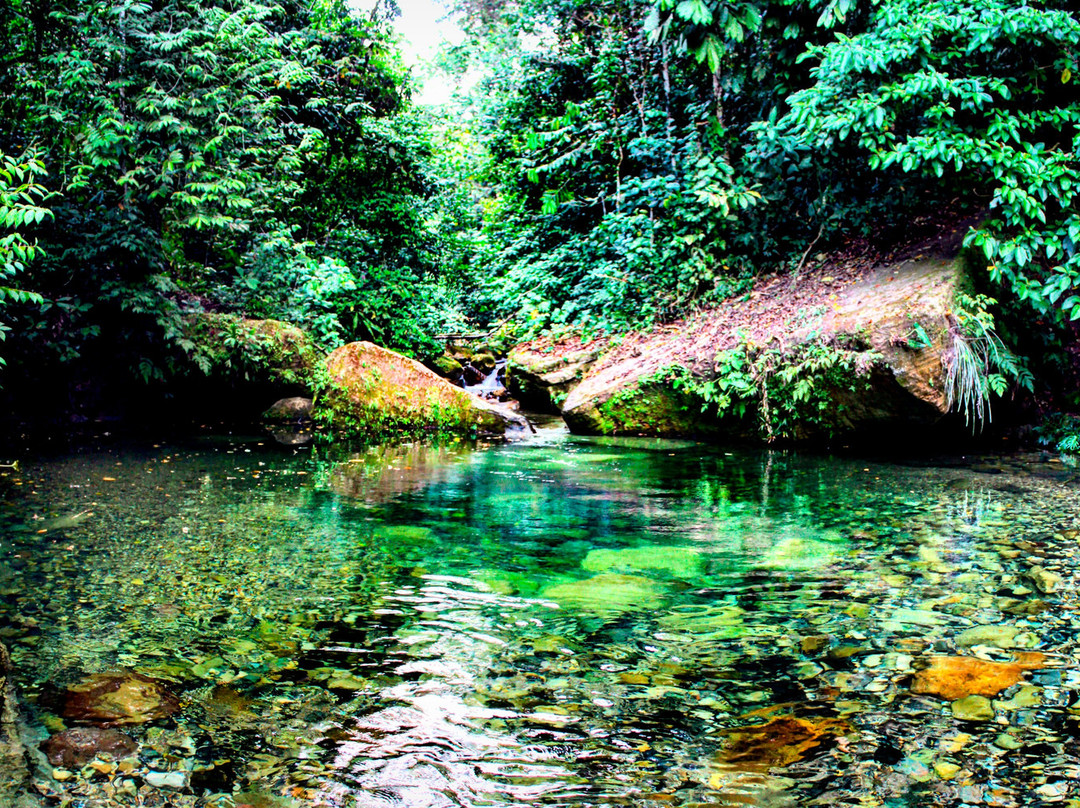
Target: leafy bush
21, 195
792, 389
1060, 432
948, 95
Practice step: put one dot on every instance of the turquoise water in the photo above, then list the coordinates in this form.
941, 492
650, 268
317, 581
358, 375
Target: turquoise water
560, 622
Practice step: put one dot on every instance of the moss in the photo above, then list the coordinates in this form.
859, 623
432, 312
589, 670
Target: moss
369, 391
258, 350
652, 407
447, 366
484, 362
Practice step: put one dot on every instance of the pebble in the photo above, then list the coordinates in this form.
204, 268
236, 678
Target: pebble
62, 774
1051, 791
973, 708
174, 780
945, 770
997, 636
956, 743
1006, 741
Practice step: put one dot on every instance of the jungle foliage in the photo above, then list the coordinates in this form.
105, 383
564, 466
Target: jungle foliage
243, 156
647, 156
619, 162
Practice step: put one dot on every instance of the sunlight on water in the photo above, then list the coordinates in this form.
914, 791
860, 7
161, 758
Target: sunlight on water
562, 622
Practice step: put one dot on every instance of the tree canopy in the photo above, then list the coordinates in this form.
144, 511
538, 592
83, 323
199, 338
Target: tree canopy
619, 163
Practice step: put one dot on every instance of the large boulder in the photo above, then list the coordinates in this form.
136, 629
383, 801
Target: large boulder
868, 349
372, 390
540, 374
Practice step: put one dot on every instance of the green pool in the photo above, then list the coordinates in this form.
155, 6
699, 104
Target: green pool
561, 622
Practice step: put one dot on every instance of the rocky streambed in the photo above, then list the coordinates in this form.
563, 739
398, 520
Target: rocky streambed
562, 621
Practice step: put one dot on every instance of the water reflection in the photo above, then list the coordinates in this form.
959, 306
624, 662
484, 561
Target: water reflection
560, 622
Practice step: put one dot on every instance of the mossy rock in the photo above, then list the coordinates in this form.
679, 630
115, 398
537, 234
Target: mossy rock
651, 408
679, 562
371, 390
609, 594
541, 374
294, 408
271, 351
447, 367
484, 362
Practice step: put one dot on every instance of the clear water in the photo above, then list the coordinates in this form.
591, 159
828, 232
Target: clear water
561, 622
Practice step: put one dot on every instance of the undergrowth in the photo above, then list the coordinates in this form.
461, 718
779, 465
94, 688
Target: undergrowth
794, 390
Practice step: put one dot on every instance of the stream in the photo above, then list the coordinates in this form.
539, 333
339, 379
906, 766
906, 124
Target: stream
564, 621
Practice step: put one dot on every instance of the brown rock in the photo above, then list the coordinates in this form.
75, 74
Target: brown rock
296, 408
890, 326
117, 699
955, 677
780, 742
80, 745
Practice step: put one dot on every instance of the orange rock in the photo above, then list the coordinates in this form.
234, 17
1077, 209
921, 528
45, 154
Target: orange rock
954, 677
780, 742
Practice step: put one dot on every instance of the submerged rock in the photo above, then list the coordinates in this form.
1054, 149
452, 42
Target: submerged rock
780, 742
1045, 581
608, 595
80, 745
374, 390
117, 699
956, 677
172, 780
972, 708
680, 562
996, 636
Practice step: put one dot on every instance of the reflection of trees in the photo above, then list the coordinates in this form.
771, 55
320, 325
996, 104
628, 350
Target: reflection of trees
382, 472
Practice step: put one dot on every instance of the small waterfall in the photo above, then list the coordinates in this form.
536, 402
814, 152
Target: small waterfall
489, 386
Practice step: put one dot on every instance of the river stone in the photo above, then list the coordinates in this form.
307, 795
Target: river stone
946, 770
801, 553
374, 390
117, 699
954, 677
780, 742
608, 595
296, 408
680, 562
996, 636
1045, 581
484, 362
447, 367
173, 780
1006, 741
972, 708
80, 745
